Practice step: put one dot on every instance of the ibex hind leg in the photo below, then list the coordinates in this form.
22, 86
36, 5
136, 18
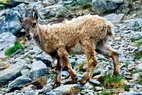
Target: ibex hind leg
108, 51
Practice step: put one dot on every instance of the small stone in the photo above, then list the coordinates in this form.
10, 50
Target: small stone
136, 76
98, 88
88, 86
95, 82
139, 67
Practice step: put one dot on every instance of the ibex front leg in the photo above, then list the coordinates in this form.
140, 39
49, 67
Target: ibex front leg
63, 54
58, 72
89, 50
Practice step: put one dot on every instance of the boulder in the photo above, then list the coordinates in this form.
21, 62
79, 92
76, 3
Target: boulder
38, 74
103, 6
11, 73
11, 20
38, 70
53, 13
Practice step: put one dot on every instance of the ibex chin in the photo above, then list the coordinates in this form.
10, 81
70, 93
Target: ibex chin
90, 32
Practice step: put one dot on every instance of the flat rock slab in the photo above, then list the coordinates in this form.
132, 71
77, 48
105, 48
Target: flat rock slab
114, 18
19, 82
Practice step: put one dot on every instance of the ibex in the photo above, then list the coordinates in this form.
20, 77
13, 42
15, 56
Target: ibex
90, 32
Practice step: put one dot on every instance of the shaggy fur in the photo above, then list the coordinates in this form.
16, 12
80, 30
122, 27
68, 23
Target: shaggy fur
90, 32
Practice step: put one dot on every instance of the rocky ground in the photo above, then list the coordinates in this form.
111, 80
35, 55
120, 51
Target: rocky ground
28, 71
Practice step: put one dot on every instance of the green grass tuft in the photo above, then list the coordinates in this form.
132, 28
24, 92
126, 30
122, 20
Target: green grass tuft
113, 81
112, 78
68, 6
4, 1
138, 55
2, 6
74, 64
140, 79
138, 43
135, 39
13, 49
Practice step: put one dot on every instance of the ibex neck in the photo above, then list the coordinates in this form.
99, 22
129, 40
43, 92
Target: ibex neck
37, 35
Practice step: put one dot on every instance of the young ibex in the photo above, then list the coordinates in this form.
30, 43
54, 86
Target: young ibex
90, 31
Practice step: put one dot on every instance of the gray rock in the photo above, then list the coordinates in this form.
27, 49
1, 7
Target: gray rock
6, 40
84, 1
65, 89
131, 93
38, 69
136, 76
11, 22
25, 0
88, 92
88, 86
139, 67
54, 93
47, 88
53, 12
25, 71
139, 49
114, 18
133, 24
51, 2
28, 90
11, 73
95, 82
102, 6
19, 82
45, 58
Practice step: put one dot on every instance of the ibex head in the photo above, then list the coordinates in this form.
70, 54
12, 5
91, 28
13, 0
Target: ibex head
29, 22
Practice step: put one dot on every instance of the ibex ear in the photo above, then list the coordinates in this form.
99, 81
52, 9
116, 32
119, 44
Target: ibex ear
35, 14
21, 19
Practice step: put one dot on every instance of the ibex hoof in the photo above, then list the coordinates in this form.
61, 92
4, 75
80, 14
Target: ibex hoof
116, 73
